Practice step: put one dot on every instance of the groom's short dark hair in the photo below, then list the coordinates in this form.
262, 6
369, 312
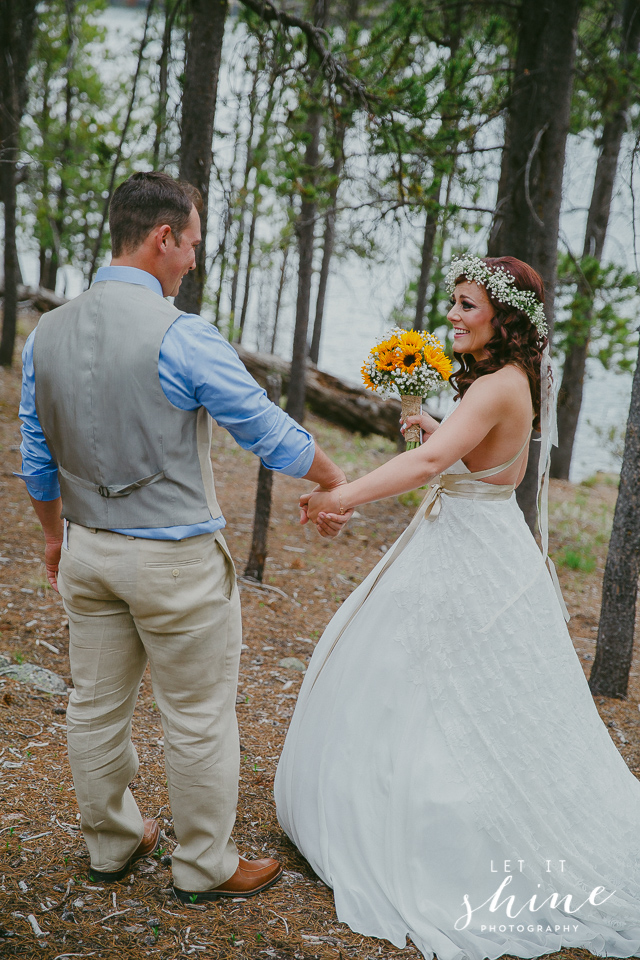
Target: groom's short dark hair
145, 201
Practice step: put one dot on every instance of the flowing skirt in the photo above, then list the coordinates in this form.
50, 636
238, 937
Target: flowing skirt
446, 771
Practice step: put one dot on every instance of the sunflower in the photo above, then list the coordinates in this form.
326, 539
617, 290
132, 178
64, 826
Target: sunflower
412, 341
366, 378
387, 358
444, 367
410, 359
436, 358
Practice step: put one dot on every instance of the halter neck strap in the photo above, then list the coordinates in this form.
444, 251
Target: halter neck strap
494, 471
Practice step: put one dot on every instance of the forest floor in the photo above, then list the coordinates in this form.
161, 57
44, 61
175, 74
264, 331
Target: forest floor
43, 859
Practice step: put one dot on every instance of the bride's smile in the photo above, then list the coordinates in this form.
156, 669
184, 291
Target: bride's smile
470, 315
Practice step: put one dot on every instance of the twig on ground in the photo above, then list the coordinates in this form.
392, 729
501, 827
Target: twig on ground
117, 913
286, 925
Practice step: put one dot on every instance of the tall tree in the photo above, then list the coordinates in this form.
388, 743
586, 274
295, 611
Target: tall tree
258, 551
17, 22
203, 52
614, 650
305, 226
617, 90
335, 173
527, 214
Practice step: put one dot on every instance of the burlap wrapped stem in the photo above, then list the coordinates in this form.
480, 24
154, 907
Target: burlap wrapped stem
411, 407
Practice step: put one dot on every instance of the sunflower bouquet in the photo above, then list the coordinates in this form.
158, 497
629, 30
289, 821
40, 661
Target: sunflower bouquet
409, 363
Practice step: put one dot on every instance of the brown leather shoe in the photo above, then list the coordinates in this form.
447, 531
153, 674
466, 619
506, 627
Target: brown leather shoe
147, 846
251, 877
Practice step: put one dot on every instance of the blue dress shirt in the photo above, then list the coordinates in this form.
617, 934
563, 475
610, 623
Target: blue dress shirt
197, 367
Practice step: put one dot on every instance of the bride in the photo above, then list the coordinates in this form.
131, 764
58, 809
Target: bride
446, 771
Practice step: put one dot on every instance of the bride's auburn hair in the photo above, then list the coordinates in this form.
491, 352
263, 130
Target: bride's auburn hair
515, 340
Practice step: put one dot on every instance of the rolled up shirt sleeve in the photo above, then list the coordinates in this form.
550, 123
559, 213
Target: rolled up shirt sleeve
198, 367
39, 469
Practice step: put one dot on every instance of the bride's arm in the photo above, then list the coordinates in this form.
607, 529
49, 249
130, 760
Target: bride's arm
483, 406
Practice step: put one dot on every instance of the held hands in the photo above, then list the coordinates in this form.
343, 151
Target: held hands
322, 507
427, 424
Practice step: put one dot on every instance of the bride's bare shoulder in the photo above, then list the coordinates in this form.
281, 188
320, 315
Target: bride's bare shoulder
509, 381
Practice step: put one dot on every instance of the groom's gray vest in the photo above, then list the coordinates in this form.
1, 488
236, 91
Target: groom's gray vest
126, 456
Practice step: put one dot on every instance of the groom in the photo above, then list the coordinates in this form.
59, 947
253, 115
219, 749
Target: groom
119, 388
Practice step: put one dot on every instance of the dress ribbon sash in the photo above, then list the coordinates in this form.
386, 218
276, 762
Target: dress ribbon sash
464, 486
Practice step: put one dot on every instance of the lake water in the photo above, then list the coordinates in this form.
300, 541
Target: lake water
360, 298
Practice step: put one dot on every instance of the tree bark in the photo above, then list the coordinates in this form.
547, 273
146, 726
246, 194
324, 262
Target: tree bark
257, 159
244, 195
610, 672
17, 23
258, 552
249, 269
527, 215
328, 244
569, 404
571, 387
203, 52
426, 260
305, 233
281, 282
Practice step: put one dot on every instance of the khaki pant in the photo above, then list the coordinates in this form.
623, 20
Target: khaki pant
174, 604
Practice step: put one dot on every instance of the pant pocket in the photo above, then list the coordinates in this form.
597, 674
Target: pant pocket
231, 580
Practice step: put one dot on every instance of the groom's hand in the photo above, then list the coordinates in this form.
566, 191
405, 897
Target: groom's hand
332, 524
321, 506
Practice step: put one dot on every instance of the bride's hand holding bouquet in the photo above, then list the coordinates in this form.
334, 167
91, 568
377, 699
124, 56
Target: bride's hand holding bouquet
426, 423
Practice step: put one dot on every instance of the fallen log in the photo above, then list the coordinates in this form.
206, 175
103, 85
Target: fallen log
348, 405
40, 297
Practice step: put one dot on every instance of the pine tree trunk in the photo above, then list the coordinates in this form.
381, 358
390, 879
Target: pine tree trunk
258, 155
249, 270
614, 650
328, 244
244, 195
17, 22
426, 260
10, 305
258, 552
281, 282
570, 393
526, 220
203, 52
305, 233
569, 403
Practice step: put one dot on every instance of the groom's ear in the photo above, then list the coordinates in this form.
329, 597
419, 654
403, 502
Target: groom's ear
162, 234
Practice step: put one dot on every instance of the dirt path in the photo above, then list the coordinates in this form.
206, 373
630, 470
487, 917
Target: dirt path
43, 860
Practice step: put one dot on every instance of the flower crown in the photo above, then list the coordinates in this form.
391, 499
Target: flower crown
501, 285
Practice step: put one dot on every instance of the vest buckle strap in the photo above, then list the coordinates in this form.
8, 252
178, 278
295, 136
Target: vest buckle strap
113, 490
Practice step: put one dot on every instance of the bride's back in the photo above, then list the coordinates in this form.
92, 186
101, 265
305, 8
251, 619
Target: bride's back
507, 388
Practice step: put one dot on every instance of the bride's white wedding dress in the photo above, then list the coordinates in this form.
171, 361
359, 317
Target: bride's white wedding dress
449, 730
